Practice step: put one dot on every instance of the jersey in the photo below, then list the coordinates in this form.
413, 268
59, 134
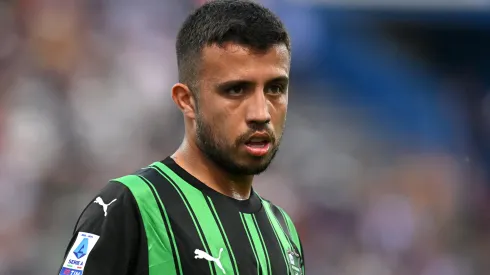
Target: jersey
163, 221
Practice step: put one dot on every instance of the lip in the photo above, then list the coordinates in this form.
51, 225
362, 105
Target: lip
259, 151
263, 135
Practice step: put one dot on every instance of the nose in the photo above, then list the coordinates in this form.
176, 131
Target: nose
258, 109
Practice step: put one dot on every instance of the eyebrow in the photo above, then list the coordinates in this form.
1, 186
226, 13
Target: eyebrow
232, 83
283, 79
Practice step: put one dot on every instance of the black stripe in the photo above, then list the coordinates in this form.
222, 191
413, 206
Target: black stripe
303, 259
279, 216
199, 228
276, 252
222, 233
253, 247
185, 232
167, 225
262, 242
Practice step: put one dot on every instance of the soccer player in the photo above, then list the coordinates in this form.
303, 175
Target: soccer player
196, 212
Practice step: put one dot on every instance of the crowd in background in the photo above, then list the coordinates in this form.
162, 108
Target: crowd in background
377, 183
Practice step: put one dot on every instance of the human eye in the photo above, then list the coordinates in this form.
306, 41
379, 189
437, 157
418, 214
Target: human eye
235, 90
276, 89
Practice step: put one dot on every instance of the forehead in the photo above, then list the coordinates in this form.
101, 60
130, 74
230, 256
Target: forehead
232, 61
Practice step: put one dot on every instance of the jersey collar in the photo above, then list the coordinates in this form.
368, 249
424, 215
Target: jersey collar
251, 205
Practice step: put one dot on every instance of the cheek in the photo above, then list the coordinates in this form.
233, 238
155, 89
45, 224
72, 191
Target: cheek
233, 125
224, 125
279, 116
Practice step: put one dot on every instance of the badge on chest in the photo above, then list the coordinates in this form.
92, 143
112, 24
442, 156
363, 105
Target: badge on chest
294, 260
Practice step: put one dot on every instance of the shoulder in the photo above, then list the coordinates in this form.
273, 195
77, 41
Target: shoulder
117, 201
142, 184
282, 217
278, 211
288, 226
113, 203
110, 222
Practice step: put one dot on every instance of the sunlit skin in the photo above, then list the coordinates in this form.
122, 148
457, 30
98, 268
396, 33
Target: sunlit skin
241, 92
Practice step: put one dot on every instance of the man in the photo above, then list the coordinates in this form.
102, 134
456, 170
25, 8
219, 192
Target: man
196, 212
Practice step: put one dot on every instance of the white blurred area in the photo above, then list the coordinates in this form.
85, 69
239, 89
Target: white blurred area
373, 184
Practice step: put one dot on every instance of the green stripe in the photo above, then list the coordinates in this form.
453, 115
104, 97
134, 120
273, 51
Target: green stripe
225, 237
280, 234
198, 205
160, 258
257, 243
247, 231
269, 266
167, 226
191, 214
294, 233
291, 228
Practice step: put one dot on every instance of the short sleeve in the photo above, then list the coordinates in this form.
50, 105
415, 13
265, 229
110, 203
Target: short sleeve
107, 238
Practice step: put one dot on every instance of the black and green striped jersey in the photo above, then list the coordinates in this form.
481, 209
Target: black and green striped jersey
163, 221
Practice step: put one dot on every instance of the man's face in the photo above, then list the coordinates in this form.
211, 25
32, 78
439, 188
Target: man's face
242, 106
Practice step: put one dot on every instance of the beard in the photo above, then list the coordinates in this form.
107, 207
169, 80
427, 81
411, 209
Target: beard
221, 153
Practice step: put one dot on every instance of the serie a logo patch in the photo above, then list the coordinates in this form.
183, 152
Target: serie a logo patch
78, 255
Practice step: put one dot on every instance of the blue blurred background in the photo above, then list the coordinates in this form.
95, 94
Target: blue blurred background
386, 157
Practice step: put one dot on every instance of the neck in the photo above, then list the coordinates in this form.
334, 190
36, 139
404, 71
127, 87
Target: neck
191, 158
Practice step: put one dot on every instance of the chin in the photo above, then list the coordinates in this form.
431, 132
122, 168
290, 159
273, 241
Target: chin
253, 171
257, 166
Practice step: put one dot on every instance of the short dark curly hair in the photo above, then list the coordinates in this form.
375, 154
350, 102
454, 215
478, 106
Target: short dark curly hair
217, 22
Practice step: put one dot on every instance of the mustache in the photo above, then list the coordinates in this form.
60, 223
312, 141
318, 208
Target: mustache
246, 136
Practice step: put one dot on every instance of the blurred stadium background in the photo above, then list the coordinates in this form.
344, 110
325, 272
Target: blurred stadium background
384, 165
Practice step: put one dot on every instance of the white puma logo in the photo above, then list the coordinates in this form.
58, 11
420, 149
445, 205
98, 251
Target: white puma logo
203, 255
99, 200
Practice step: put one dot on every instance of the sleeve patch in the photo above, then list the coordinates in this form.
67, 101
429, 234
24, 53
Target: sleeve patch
78, 254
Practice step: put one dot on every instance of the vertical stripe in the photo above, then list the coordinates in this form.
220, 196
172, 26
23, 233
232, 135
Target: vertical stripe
258, 243
293, 233
193, 216
198, 207
289, 227
269, 266
259, 267
223, 234
161, 257
296, 237
236, 233
168, 226
182, 224
280, 234
272, 242
292, 230
280, 229
285, 227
